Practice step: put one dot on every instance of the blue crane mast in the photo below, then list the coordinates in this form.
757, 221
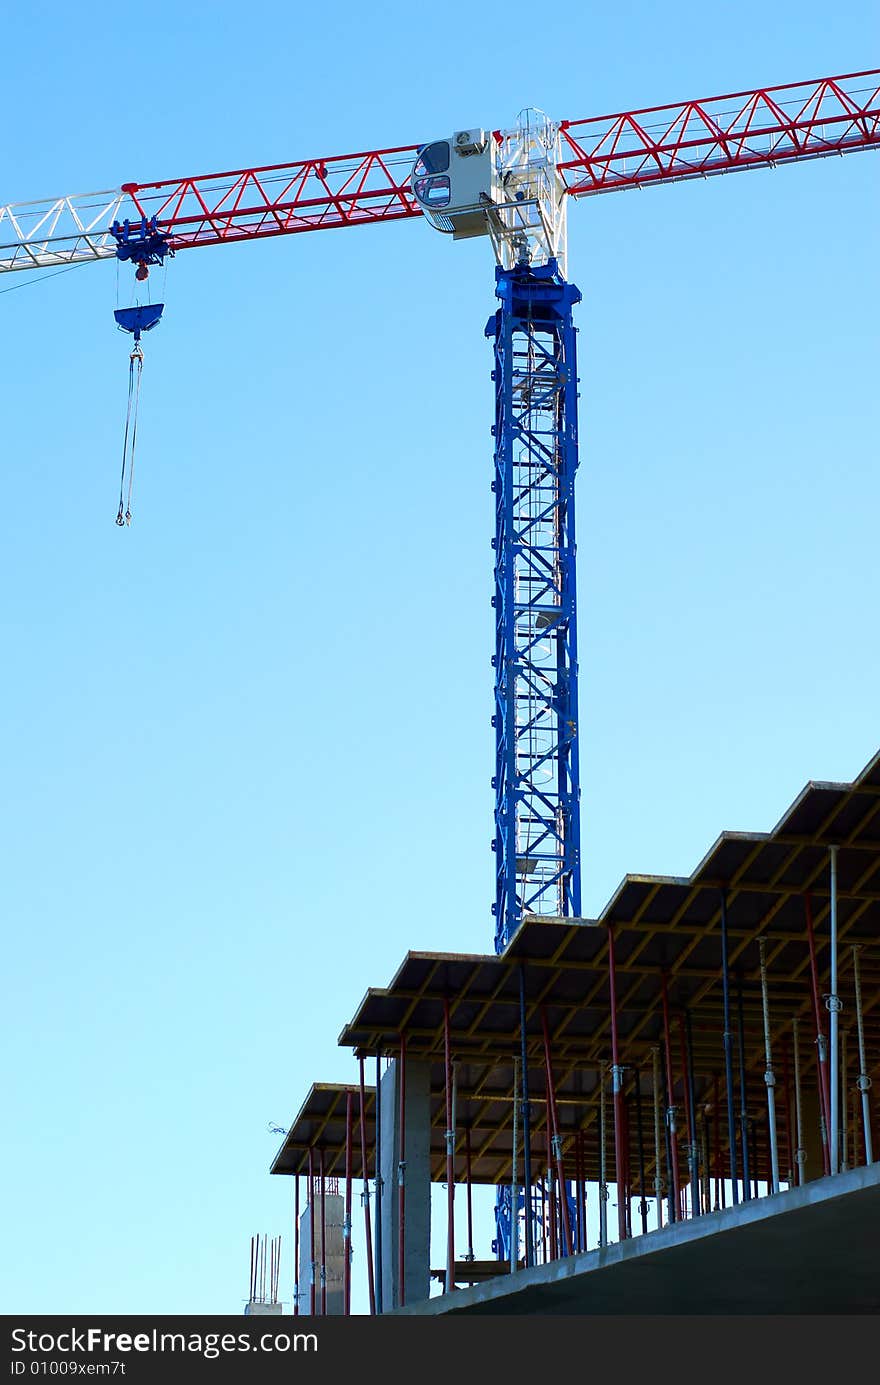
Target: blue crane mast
536, 782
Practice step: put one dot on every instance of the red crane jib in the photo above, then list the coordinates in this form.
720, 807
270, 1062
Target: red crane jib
659, 144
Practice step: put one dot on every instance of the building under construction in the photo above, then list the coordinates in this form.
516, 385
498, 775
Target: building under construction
697, 1059
672, 1100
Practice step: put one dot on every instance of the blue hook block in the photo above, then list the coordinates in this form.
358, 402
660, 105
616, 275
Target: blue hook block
140, 319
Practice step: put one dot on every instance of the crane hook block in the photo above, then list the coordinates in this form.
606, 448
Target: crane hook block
140, 241
140, 319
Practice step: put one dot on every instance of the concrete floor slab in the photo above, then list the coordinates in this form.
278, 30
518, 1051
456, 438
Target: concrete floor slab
814, 1249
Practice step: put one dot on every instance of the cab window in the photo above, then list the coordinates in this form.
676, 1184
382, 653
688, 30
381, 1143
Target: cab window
434, 158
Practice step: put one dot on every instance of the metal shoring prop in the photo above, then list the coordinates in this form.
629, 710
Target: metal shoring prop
694, 1161
323, 1232
378, 1183
450, 1155
743, 1103
617, 1093
346, 1225
854, 1126
769, 1075
863, 1082
832, 1001
545, 1257
556, 1138
627, 1170
728, 1049
579, 1188
786, 1101
467, 1181
640, 1138
603, 1186
658, 1176
821, 1041
526, 1123
675, 1190
514, 1190
800, 1154
401, 1182
365, 1194
313, 1264
551, 1194
296, 1246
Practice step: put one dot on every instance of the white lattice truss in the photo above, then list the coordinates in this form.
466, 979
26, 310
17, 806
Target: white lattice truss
62, 231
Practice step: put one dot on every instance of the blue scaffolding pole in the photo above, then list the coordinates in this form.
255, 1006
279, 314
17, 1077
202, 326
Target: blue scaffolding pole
537, 785
537, 788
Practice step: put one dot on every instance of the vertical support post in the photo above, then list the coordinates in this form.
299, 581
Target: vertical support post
536, 782
323, 1233
863, 1082
617, 1093
833, 1003
467, 1179
640, 1137
789, 1132
526, 1122
579, 1184
728, 1047
450, 1155
551, 1193
346, 1225
769, 1075
365, 1194
658, 1175
821, 1042
555, 1138
693, 1145
743, 1093
800, 1156
379, 1189
670, 1105
603, 1184
313, 1264
401, 1181
295, 1247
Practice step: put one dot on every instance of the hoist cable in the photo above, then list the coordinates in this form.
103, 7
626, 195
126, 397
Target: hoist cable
123, 516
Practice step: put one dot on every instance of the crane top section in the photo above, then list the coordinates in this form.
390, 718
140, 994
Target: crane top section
546, 163
505, 186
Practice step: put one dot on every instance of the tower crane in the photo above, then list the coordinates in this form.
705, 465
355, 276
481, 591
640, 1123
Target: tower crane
513, 187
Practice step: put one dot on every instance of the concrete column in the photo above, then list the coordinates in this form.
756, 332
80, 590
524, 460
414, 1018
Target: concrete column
417, 1222
310, 1263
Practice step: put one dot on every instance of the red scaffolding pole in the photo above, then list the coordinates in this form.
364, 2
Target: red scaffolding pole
821, 1041
617, 1095
556, 1140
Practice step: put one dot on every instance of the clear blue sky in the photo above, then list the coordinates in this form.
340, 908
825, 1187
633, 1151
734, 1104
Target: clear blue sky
247, 747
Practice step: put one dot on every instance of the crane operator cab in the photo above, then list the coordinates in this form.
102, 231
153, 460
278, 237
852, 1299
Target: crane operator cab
454, 182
